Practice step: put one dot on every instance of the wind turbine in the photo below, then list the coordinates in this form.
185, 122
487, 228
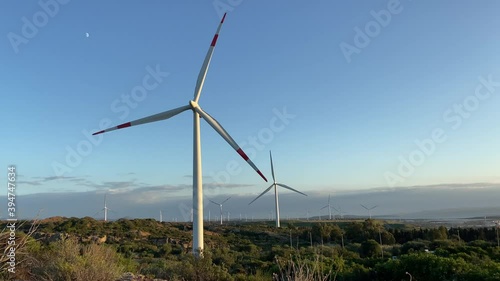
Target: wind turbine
198, 113
275, 185
329, 206
105, 209
369, 210
161, 216
220, 206
339, 210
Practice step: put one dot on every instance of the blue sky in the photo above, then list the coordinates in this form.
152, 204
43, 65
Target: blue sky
352, 119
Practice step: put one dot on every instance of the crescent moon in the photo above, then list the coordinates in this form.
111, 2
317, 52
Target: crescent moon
87, 35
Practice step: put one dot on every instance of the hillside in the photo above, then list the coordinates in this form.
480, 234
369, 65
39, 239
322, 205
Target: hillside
302, 250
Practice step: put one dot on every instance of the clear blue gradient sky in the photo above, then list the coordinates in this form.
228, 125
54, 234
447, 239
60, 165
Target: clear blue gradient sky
279, 74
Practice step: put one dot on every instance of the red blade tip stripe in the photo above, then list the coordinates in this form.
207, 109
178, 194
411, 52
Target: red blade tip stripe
242, 154
125, 125
262, 175
214, 40
222, 21
100, 132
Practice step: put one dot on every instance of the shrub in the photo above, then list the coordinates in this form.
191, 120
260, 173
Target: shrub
300, 269
69, 260
22, 248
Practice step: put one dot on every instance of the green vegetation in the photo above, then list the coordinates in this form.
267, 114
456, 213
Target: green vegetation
79, 249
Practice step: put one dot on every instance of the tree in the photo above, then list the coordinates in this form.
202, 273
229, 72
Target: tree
320, 232
370, 248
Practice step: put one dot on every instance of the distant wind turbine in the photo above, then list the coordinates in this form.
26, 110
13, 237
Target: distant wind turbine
161, 216
105, 209
329, 206
275, 185
198, 113
220, 206
339, 210
369, 210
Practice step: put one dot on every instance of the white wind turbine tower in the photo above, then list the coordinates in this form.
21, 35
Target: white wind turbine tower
220, 206
275, 185
161, 216
369, 210
329, 206
105, 209
198, 113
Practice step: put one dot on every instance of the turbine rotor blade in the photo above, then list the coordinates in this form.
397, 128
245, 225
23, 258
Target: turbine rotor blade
324, 207
225, 135
269, 188
214, 202
364, 206
225, 200
287, 187
206, 63
149, 119
272, 168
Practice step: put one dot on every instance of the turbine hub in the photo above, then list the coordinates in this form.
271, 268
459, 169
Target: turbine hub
193, 104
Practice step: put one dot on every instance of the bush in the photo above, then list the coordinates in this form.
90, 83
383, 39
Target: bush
24, 243
69, 260
301, 269
370, 248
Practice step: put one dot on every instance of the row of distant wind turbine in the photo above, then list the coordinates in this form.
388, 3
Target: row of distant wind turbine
330, 206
